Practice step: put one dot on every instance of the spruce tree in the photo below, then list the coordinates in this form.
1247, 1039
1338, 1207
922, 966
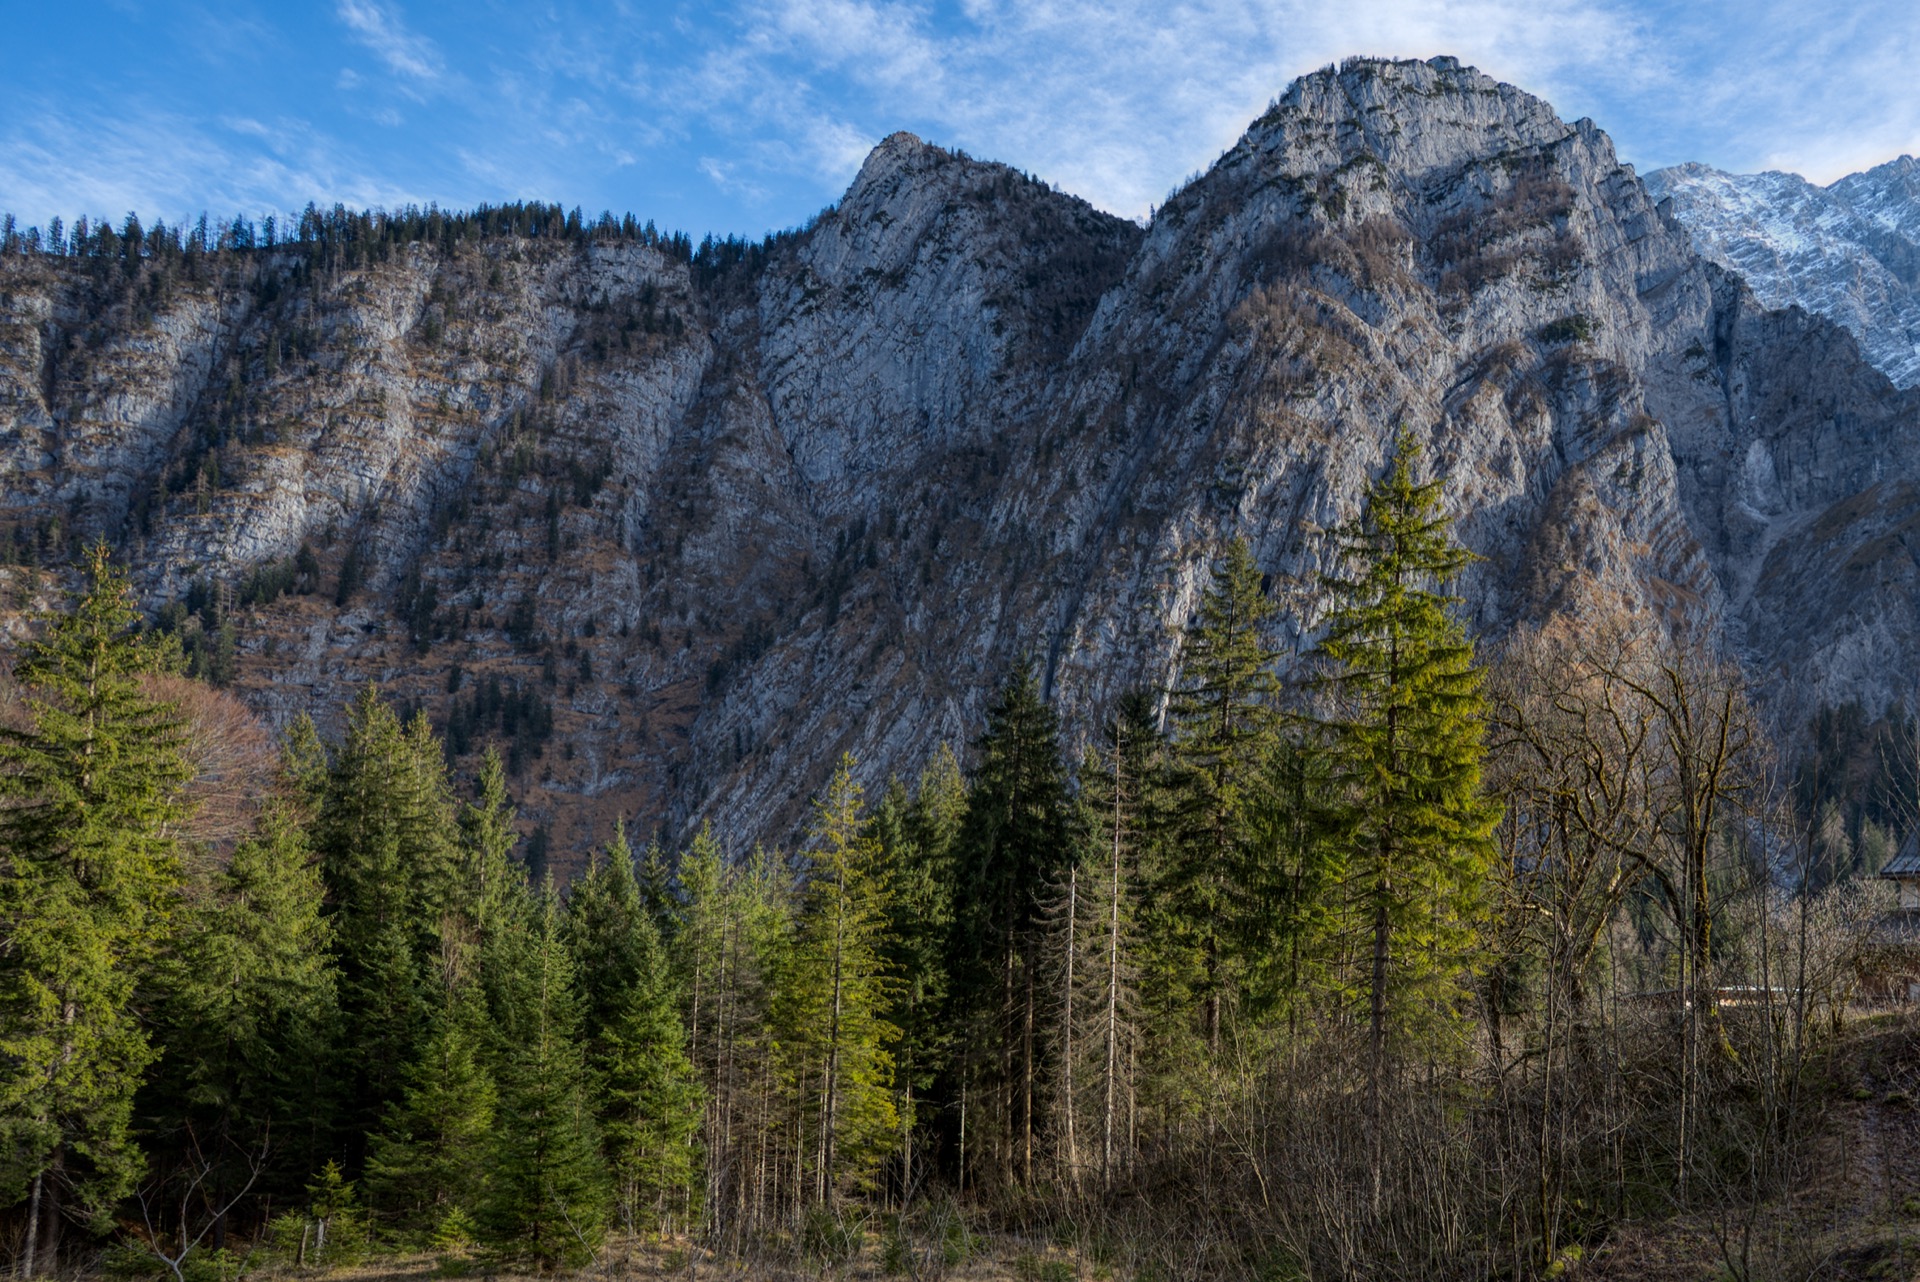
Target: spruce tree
427, 1165
1012, 843
939, 808
652, 1098
1288, 919
916, 842
304, 763
657, 896
603, 923
546, 1198
249, 1012
90, 872
1225, 718
1405, 748
491, 892
387, 846
428, 1160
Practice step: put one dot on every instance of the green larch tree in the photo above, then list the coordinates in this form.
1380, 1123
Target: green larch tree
835, 996
750, 1144
1120, 802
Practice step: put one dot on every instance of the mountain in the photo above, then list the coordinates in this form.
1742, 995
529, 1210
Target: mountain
723, 515
1850, 251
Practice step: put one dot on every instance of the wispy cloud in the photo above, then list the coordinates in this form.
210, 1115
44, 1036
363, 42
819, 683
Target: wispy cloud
724, 175
1114, 99
172, 167
1819, 90
381, 30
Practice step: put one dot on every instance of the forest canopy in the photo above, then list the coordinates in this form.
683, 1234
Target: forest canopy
1397, 963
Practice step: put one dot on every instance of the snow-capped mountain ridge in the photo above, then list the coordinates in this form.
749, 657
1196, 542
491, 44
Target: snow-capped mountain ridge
1849, 251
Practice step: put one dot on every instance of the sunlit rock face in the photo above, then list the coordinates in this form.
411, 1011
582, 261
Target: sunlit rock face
731, 518
1849, 251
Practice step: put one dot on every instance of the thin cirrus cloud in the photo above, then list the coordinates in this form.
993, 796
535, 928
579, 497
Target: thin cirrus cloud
230, 164
752, 114
383, 32
1819, 90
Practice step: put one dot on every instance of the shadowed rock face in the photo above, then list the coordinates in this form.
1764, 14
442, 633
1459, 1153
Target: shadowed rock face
734, 518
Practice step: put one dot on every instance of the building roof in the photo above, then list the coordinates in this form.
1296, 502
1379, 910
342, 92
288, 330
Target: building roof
1907, 862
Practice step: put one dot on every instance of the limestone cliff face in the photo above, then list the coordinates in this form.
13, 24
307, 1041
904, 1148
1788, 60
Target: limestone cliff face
735, 516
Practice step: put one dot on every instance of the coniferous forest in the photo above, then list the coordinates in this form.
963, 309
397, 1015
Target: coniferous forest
1394, 960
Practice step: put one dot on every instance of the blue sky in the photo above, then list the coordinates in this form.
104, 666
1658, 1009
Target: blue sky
748, 116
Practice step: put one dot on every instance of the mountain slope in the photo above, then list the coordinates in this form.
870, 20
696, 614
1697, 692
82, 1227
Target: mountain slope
734, 515
1850, 252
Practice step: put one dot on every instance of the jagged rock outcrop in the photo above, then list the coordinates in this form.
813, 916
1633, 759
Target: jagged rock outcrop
1849, 251
733, 516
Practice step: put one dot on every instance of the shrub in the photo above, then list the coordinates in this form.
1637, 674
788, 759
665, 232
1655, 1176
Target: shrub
1576, 328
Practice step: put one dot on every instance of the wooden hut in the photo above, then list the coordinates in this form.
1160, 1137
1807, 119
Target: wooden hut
1904, 870
1890, 962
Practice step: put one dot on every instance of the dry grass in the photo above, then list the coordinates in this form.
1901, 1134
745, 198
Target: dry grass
988, 1258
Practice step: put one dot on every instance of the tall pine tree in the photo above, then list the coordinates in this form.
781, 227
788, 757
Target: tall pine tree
248, 1013
1287, 923
546, 1196
835, 998
491, 886
603, 921
387, 846
1121, 803
916, 839
651, 1101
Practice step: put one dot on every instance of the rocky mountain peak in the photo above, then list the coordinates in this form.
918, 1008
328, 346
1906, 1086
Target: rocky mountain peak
1415, 117
899, 157
1889, 194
